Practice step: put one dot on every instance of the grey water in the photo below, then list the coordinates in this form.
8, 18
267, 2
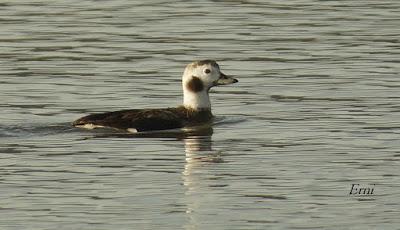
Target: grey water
316, 111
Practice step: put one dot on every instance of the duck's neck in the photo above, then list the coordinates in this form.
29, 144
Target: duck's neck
196, 100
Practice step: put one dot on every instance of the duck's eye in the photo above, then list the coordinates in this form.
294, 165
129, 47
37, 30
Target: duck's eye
207, 71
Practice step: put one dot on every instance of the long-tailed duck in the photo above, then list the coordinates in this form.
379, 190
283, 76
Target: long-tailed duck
197, 80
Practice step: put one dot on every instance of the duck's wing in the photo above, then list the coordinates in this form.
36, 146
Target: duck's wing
139, 120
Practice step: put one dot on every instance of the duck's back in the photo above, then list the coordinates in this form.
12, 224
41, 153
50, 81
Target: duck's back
144, 119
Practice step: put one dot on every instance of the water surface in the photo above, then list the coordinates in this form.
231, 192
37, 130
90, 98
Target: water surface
316, 110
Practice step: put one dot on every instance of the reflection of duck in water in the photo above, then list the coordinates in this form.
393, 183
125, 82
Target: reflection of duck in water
198, 175
198, 147
197, 80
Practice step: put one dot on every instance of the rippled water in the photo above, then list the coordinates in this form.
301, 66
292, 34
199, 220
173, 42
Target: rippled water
316, 109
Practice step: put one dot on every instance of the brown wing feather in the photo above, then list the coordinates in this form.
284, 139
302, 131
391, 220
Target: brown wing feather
141, 120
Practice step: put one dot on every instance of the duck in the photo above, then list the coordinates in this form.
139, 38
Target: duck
197, 80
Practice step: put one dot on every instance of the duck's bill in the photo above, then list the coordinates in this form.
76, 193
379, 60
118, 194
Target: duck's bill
225, 80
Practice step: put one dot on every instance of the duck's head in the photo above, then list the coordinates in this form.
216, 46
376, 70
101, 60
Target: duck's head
197, 80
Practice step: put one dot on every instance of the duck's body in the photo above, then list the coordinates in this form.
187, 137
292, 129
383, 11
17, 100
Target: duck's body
197, 79
139, 120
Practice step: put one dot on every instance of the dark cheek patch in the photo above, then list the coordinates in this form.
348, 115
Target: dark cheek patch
195, 84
